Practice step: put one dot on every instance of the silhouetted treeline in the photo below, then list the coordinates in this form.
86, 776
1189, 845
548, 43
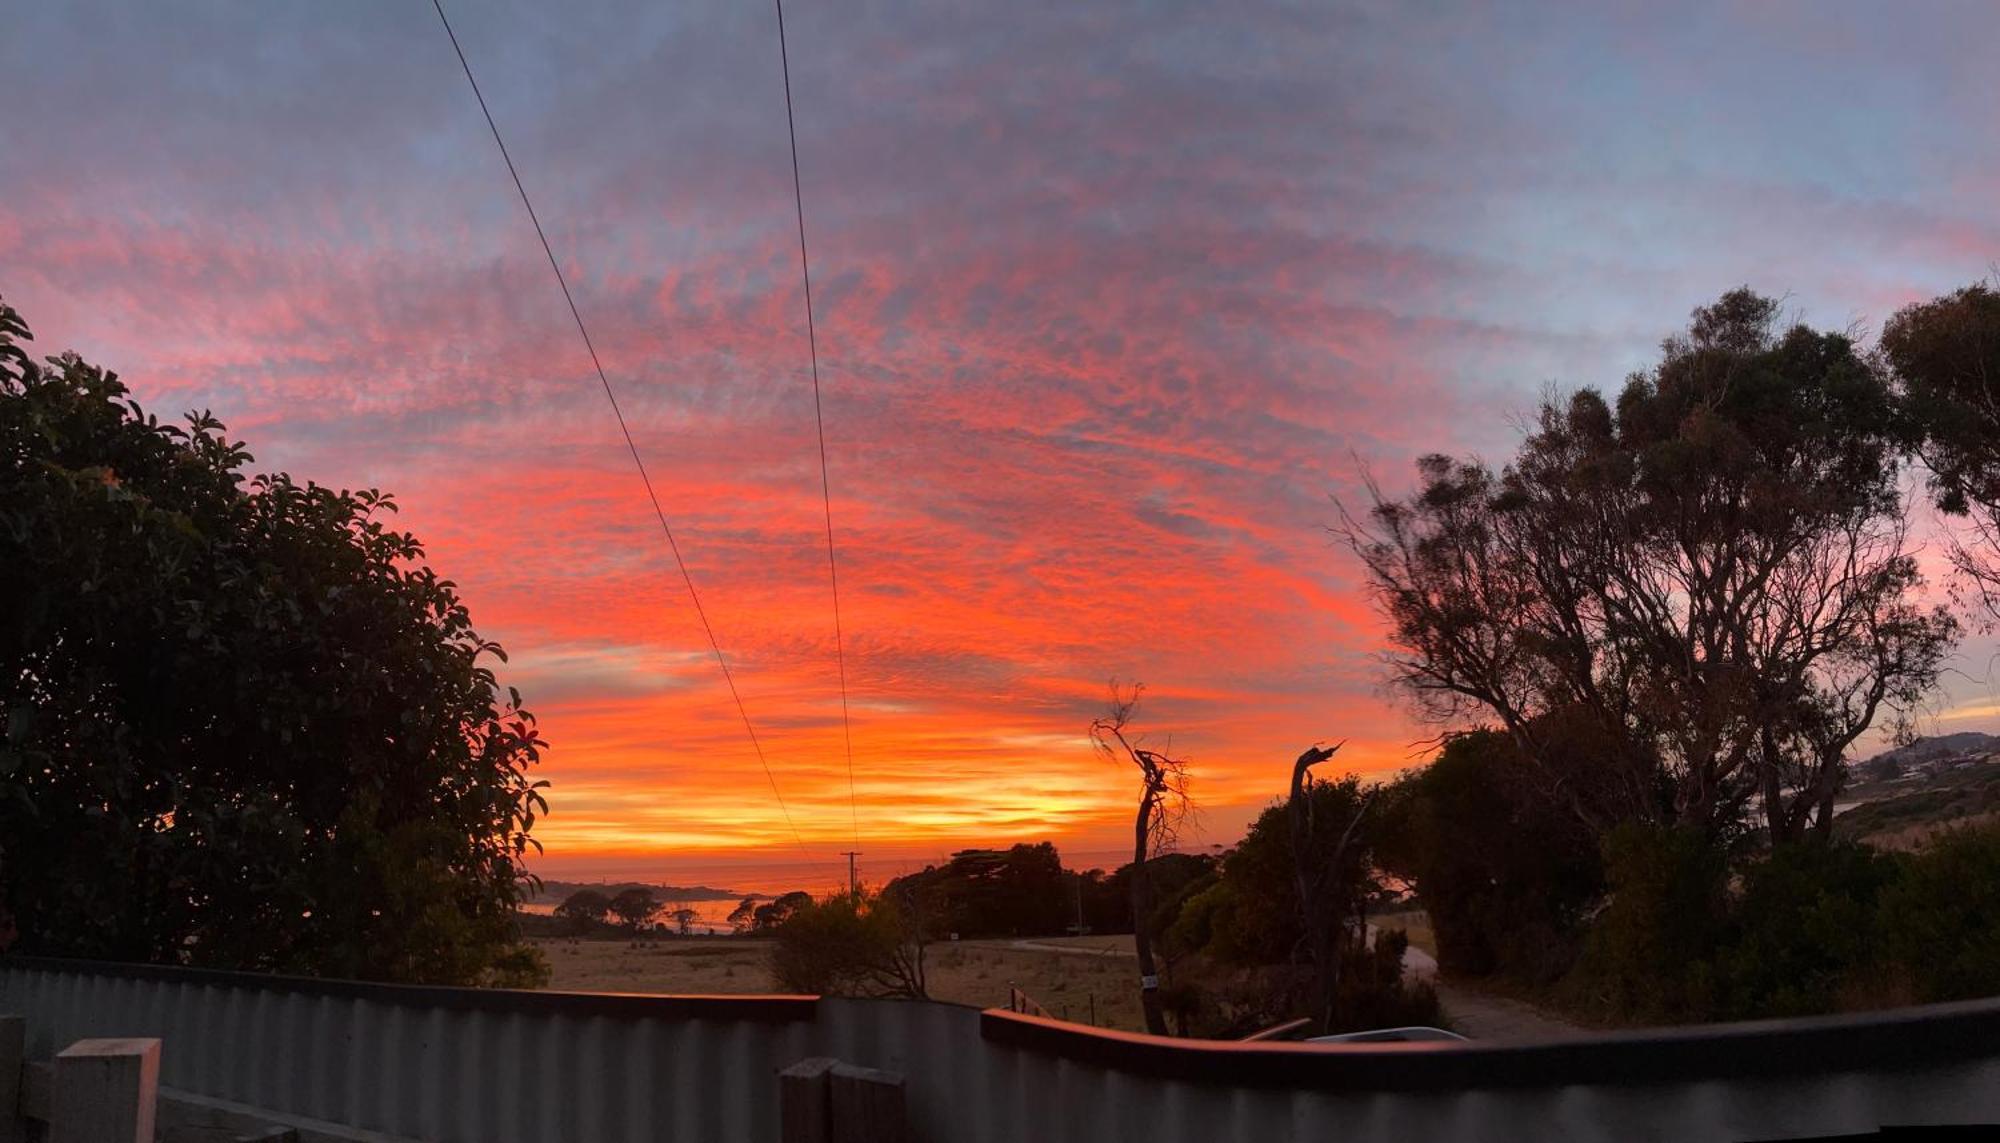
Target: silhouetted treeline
1024, 891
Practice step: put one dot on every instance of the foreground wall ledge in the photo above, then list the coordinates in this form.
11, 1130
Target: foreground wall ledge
1892, 1040
766, 1009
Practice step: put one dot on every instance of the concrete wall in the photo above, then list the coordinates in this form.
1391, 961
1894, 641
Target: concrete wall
499, 1067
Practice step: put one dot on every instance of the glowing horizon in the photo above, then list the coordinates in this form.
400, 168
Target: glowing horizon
1113, 303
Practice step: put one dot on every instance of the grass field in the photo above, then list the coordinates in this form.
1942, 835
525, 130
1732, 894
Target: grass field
1072, 985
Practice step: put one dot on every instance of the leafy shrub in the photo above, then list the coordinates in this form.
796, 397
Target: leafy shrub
1374, 992
852, 945
242, 725
1804, 929
1505, 874
1940, 922
1650, 953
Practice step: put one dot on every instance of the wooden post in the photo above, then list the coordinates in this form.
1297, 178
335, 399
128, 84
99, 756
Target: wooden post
868, 1106
107, 1091
13, 1057
805, 1105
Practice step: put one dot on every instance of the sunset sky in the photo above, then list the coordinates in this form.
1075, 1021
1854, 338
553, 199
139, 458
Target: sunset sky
1114, 300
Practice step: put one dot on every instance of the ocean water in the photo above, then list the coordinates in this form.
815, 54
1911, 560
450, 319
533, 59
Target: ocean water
772, 878
712, 916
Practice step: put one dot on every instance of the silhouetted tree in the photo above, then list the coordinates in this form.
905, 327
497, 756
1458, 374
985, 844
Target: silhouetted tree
1163, 806
584, 909
635, 907
744, 916
854, 944
1707, 588
772, 914
244, 725
1327, 867
1013, 892
1505, 872
1946, 358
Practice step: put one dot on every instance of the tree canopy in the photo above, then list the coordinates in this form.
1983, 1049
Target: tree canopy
1946, 358
635, 907
1707, 585
584, 909
1018, 891
245, 726
1505, 872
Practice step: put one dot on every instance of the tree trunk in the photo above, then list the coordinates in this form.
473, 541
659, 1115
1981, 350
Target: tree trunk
1322, 915
1776, 814
1142, 908
1829, 786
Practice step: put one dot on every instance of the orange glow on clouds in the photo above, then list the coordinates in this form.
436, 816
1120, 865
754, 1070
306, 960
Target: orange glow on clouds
1112, 301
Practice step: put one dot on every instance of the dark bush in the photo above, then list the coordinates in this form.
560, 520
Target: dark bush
242, 724
1504, 872
852, 945
1374, 992
1650, 953
1804, 929
1940, 922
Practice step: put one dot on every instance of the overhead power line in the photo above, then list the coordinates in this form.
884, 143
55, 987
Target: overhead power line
562, 280
819, 422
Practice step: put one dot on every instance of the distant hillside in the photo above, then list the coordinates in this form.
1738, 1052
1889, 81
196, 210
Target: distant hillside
556, 891
1962, 796
1963, 744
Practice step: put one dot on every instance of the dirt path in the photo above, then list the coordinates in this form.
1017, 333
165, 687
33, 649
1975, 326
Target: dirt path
1067, 950
1481, 1015
1471, 1011
1484, 1016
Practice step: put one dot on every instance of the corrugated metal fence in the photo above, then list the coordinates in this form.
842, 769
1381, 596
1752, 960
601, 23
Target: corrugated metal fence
499, 1067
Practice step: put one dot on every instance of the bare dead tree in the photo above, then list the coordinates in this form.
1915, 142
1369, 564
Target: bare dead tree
1327, 909
1163, 808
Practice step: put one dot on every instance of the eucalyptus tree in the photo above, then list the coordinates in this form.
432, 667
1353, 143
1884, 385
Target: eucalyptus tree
1686, 604
1946, 357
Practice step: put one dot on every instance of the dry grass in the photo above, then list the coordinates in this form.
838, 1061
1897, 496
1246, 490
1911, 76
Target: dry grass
693, 965
1070, 985
1919, 836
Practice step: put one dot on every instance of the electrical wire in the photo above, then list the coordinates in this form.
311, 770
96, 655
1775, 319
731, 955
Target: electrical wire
819, 422
562, 280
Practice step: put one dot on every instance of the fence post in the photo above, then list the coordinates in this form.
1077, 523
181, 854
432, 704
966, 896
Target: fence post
868, 1106
13, 1057
106, 1091
805, 1106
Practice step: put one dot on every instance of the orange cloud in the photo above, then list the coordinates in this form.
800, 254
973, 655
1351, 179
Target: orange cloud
1110, 302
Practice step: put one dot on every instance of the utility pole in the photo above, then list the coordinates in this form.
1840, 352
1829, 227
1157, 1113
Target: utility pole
853, 886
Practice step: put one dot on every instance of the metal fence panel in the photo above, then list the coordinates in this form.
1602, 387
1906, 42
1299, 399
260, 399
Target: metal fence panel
469, 1066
